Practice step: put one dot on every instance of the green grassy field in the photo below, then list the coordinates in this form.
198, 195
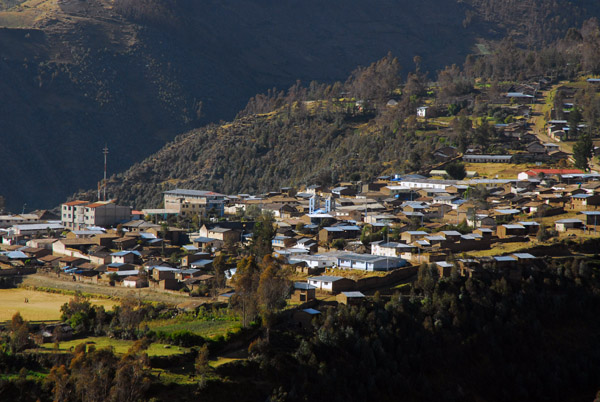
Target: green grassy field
120, 346
207, 329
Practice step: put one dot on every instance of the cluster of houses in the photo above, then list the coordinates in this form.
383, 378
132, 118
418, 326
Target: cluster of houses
392, 224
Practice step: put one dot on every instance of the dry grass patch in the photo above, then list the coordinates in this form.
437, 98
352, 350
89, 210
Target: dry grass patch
502, 170
41, 306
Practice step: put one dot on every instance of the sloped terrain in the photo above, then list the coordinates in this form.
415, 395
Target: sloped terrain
133, 74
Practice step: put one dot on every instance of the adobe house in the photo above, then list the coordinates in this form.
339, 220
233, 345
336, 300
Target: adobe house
328, 234
582, 202
531, 226
592, 218
303, 292
444, 268
470, 268
509, 264
350, 298
223, 234
125, 242
161, 273
305, 317
485, 233
505, 231
412, 236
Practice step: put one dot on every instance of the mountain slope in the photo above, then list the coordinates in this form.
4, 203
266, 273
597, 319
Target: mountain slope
310, 142
133, 74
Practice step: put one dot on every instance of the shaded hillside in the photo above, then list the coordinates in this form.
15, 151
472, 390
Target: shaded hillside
133, 74
257, 153
312, 134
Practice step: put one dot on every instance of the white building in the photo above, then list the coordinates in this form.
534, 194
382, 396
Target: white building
392, 249
368, 262
194, 202
77, 215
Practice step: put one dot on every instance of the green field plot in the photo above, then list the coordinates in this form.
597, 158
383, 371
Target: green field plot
120, 346
207, 329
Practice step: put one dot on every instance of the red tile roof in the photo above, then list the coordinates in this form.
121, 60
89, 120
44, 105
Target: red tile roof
77, 202
535, 172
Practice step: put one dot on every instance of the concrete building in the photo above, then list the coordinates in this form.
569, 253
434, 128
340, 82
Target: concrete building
368, 262
194, 202
331, 284
77, 215
392, 249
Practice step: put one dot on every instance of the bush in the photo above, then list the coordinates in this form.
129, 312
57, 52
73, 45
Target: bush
456, 170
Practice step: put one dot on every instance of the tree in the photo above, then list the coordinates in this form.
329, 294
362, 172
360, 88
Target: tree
462, 126
583, 151
272, 290
201, 363
559, 100
131, 380
376, 81
339, 244
484, 133
61, 386
456, 170
263, 235
543, 234
219, 265
78, 313
453, 82
19, 333
245, 283
574, 120
130, 314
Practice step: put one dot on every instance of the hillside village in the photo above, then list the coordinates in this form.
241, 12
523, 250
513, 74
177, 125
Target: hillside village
345, 239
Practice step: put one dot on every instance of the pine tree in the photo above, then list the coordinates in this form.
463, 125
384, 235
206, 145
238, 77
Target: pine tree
582, 151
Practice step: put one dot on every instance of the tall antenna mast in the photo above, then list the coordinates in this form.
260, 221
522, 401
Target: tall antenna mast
105, 152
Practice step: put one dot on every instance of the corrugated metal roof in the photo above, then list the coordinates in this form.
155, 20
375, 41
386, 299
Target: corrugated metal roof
325, 278
353, 294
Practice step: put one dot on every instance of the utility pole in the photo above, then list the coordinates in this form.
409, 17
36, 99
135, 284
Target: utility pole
105, 152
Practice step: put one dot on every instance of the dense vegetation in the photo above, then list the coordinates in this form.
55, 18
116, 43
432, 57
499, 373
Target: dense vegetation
455, 339
490, 338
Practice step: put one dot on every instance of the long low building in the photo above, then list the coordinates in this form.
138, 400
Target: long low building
369, 262
470, 158
35, 228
